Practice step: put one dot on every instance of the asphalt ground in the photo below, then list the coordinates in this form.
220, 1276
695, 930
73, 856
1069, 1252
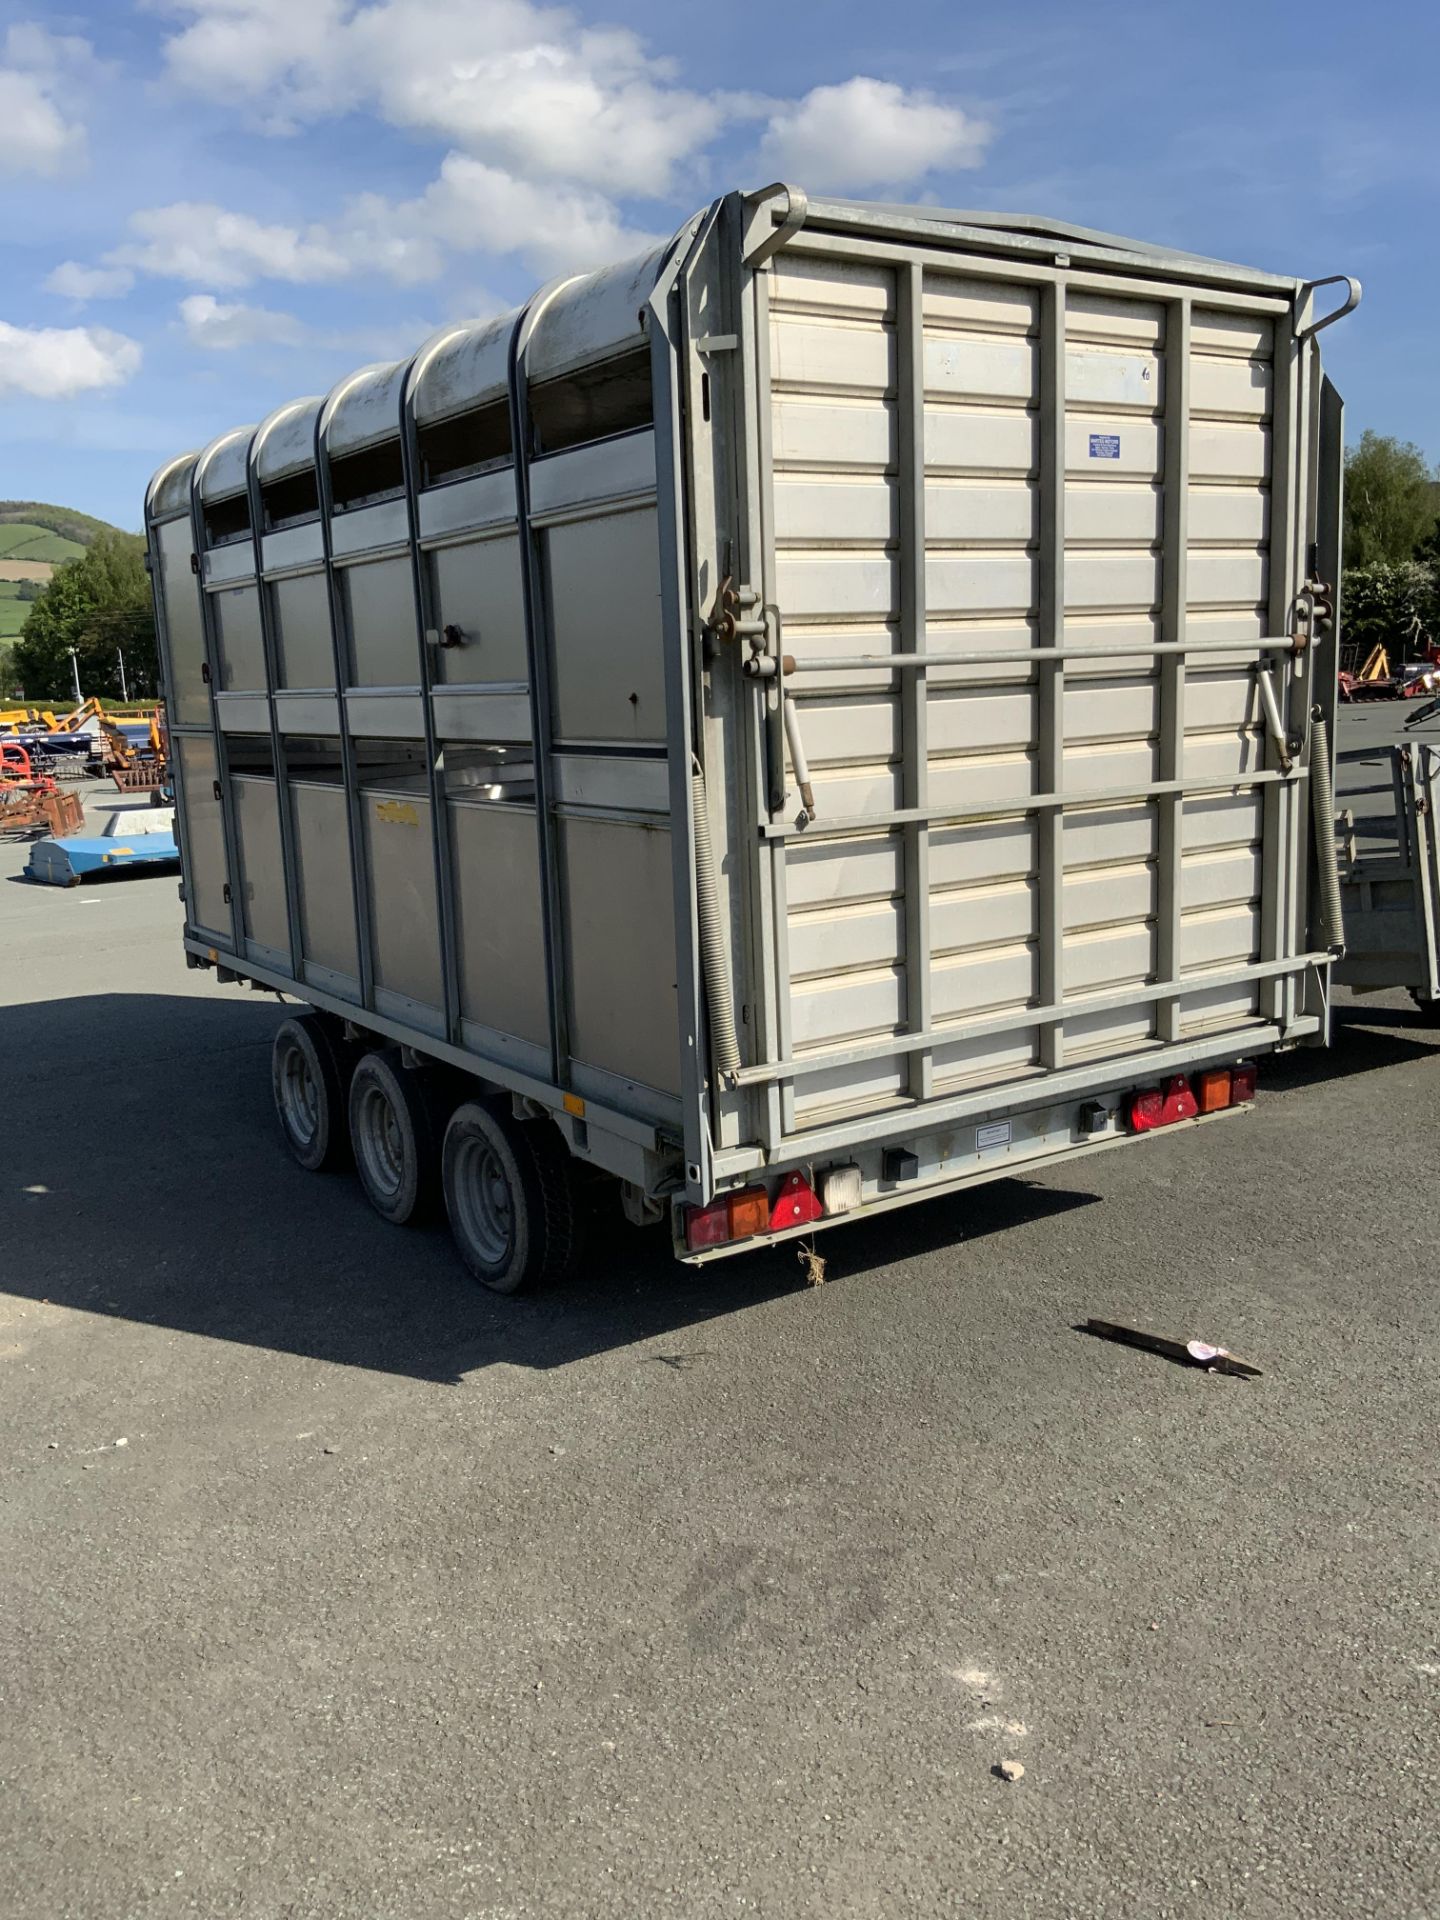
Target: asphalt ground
330, 1586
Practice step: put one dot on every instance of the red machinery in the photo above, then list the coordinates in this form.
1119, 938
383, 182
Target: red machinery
31, 802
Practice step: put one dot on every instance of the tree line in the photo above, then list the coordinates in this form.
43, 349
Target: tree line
1391, 591
98, 608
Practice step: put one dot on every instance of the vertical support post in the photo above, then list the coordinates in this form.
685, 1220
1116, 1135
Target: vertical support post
755, 475
769, 699
542, 735
914, 696
772, 691
1050, 760
168, 688
434, 759
354, 817
226, 794
1423, 784
1277, 878
272, 680
1174, 597
668, 339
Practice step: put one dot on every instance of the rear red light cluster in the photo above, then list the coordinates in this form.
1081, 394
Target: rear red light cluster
734, 1216
1183, 1098
740, 1216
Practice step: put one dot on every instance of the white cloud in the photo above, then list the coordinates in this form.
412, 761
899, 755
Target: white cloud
467, 208
52, 363
869, 135
73, 281
550, 123
533, 91
526, 88
196, 240
218, 327
37, 68
472, 205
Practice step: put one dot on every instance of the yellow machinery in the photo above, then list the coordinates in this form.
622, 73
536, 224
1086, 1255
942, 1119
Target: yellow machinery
133, 766
42, 720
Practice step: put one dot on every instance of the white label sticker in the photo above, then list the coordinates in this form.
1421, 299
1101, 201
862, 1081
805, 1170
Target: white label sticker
997, 1134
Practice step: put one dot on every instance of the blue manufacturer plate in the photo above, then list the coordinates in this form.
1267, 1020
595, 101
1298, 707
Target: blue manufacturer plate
1104, 446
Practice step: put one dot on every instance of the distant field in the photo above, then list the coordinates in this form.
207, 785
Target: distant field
12, 611
21, 540
35, 538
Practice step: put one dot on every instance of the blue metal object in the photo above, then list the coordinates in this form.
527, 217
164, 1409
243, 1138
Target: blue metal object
65, 863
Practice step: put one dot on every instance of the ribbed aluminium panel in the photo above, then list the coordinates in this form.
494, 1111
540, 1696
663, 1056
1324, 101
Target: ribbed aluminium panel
838, 516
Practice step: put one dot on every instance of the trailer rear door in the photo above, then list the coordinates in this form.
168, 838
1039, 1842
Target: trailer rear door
1056, 835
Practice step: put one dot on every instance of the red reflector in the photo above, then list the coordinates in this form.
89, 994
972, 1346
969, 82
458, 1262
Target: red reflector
1155, 1107
707, 1226
1179, 1101
1242, 1082
796, 1204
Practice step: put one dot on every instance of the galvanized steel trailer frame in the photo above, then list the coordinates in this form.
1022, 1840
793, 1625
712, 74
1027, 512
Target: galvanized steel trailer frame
1391, 897
708, 326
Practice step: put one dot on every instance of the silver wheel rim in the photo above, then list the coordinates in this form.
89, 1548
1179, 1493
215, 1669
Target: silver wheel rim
380, 1142
484, 1202
299, 1096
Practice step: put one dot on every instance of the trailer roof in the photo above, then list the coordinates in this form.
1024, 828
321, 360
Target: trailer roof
1030, 227
590, 317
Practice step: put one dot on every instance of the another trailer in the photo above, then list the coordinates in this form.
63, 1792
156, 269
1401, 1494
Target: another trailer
815, 717
1390, 884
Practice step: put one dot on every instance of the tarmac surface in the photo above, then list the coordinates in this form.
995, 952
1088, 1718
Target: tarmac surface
330, 1586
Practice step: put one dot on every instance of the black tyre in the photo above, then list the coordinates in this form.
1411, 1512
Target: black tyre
393, 1137
509, 1196
307, 1079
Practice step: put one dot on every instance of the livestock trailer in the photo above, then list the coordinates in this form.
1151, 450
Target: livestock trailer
820, 715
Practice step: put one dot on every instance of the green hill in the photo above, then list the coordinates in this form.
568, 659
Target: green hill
24, 540
35, 538
40, 517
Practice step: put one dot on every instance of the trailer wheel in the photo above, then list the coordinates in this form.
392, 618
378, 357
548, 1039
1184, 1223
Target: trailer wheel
307, 1080
392, 1136
510, 1198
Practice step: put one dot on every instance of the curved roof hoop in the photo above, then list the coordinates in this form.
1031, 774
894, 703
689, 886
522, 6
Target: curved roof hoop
1353, 293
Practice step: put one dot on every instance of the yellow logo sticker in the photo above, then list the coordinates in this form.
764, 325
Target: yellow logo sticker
397, 813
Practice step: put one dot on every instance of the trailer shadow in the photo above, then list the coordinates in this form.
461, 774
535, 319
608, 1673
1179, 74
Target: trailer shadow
1365, 1038
148, 1184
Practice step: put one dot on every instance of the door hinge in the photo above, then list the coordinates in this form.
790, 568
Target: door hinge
724, 621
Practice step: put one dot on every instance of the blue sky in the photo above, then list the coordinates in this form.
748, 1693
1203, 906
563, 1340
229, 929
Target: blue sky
215, 205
